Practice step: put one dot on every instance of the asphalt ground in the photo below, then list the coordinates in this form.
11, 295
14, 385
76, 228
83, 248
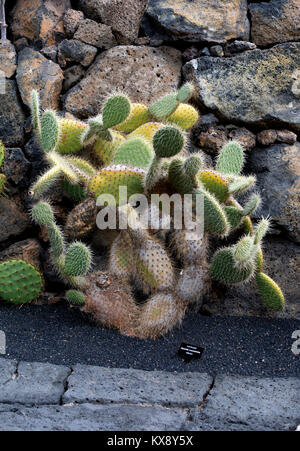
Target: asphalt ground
232, 345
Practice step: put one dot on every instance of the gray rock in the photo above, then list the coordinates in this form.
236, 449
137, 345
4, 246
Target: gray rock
238, 46
256, 403
7, 369
124, 16
13, 219
73, 75
144, 73
96, 34
8, 58
33, 383
104, 385
72, 50
50, 52
275, 21
278, 177
12, 117
217, 50
201, 20
36, 71
88, 417
256, 87
16, 166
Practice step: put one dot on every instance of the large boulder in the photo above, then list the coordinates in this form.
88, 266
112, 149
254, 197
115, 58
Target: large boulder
282, 263
144, 73
11, 116
275, 21
257, 87
201, 20
37, 72
124, 16
39, 20
278, 177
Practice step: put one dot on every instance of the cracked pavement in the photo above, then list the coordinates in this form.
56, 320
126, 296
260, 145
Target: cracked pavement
42, 396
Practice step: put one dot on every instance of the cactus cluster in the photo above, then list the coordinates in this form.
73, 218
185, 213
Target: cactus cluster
144, 148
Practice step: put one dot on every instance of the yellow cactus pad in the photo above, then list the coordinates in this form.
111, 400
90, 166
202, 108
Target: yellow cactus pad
109, 179
70, 136
185, 116
105, 150
215, 184
147, 130
139, 115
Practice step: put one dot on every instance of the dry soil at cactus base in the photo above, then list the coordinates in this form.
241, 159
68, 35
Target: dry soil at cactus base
232, 345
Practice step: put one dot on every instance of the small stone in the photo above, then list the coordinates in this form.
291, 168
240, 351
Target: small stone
8, 59
34, 70
201, 20
39, 20
72, 19
72, 75
12, 117
213, 139
286, 136
275, 21
238, 46
96, 34
16, 167
50, 52
206, 121
217, 50
13, 219
144, 73
142, 41
205, 52
124, 16
72, 50
27, 250
267, 137
244, 136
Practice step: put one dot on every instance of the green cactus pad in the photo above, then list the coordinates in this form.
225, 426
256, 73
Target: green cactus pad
56, 240
178, 177
105, 150
73, 191
134, 152
231, 158
42, 214
70, 139
78, 260
2, 183
109, 179
49, 131
261, 230
164, 107
192, 165
83, 166
215, 184
243, 250
270, 292
259, 260
234, 216
215, 221
116, 110
96, 129
2, 153
75, 297
139, 115
185, 92
252, 205
20, 282
241, 184
167, 142
35, 113
224, 269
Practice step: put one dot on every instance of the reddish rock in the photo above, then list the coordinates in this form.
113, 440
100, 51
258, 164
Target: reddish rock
144, 73
275, 21
267, 137
96, 34
36, 71
124, 16
286, 136
244, 136
213, 139
72, 19
39, 20
27, 250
